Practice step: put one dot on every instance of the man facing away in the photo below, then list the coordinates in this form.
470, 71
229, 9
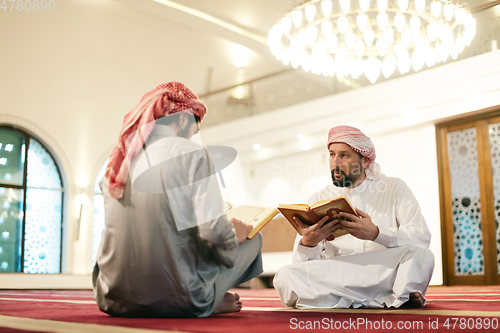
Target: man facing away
384, 261
163, 251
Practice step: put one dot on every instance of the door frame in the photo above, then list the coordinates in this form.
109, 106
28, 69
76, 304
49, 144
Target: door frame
479, 120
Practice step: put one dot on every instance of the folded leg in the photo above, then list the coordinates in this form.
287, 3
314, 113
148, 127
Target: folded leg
372, 279
247, 266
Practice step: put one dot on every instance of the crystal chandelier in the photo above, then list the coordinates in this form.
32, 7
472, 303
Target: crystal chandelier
371, 36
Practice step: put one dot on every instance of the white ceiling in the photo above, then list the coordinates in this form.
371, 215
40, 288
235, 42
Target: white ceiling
249, 22
220, 44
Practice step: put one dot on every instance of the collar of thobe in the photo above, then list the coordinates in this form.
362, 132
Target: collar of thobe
161, 131
361, 187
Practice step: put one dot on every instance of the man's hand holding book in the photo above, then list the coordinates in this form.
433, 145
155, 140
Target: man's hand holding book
313, 234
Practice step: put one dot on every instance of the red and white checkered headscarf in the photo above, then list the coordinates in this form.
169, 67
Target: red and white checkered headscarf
359, 142
164, 100
352, 136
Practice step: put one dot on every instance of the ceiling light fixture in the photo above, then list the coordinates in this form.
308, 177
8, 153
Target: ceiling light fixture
373, 37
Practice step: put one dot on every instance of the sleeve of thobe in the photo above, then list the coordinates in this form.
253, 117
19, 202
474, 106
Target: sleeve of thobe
218, 232
412, 228
305, 253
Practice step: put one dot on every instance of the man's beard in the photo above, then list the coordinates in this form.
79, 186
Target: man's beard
346, 180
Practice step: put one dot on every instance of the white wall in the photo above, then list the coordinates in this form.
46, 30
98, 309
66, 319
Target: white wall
411, 155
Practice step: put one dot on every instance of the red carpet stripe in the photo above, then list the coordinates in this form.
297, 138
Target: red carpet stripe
262, 312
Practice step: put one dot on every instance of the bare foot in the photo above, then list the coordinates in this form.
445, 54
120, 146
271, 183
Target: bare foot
230, 303
416, 301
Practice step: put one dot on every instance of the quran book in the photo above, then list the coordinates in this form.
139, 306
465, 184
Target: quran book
258, 217
312, 214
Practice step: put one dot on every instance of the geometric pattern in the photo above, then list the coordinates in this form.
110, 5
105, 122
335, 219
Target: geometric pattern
42, 247
42, 170
467, 233
42, 227
494, 131
462, 156
42, 239
467, 237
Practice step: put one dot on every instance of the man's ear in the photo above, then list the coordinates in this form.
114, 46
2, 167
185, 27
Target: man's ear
183, 120
365, 161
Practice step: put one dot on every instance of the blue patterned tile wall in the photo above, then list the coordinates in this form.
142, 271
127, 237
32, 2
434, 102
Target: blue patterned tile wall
467, 233
494, 131
42, 249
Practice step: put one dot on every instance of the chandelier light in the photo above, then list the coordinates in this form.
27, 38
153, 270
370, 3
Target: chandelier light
371, 37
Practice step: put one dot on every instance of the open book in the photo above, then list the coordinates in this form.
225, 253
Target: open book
258, 217
314, 213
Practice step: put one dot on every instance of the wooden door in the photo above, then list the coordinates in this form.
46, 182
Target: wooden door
469, 173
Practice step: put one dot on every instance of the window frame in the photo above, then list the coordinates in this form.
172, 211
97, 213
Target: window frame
24, 188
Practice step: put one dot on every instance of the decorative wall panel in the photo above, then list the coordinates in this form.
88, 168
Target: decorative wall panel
467, 237
42, 249
11, 220
42, 170
494, 131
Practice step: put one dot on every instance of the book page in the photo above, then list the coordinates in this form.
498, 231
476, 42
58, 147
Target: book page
245, 213
302, 207
322, 202
258, 217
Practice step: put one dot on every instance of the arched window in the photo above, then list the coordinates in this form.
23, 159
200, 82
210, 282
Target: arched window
31, 204
98, 220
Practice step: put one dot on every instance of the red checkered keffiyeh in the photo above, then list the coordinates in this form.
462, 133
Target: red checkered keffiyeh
166, 99
359, 142
352, 136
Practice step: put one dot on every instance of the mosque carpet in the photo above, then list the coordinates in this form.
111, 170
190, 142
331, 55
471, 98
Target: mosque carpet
449, 309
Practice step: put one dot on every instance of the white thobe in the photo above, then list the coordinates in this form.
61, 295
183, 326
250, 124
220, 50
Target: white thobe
350, 272
147, 265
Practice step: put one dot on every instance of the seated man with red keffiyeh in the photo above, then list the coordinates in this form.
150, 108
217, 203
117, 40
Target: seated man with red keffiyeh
385, 259
167, 249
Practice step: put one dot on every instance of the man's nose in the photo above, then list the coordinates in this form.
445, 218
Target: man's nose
337, 162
